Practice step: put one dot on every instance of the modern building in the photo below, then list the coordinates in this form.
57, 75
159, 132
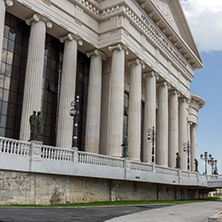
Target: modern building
130, 62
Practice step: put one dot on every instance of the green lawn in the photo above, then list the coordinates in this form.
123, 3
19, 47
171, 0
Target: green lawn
117, 203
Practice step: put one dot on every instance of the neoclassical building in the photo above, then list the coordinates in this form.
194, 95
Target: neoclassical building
130, 62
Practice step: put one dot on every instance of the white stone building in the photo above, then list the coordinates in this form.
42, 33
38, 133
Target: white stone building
130, 61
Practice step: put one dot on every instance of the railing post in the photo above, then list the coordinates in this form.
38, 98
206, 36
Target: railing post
75, 154
154, 167
35, 156
126, 166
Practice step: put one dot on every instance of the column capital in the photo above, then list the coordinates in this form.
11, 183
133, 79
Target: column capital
175, 92
151, 73
137, 62
37, 17
119, 47
9, 3
164, 83
183, 99
96, 52
71, 37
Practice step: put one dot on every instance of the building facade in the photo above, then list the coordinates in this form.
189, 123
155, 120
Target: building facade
131, 63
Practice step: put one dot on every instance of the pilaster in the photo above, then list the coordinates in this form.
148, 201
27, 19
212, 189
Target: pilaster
134, 127
34, 71
162, 125
67, 90
115, 113
94, 102
149, 112
173, 128
3, 5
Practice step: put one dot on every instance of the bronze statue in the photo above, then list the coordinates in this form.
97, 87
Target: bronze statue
125, 147
178, 161
33, 120
40, 126
196, 165
36, 126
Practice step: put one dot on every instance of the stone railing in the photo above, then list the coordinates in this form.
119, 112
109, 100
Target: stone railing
102, 160
16, 147
35, 157
54, 153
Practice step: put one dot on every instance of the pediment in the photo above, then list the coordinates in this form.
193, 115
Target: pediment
165, 7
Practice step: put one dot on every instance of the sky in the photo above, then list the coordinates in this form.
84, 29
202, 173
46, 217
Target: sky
205, 21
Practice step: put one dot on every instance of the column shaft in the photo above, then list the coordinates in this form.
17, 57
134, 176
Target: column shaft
149, 114
115, 125
193, 146
67, 94
182, 133
162, 126
2, 23
34, 75
173, 129
134, 128
94, 105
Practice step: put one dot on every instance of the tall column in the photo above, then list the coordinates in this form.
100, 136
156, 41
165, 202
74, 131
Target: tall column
162, 125
173, 128
149, 114
115, 121
94, 102
67, 91
182, 132
193, 145
3, 4
134, 128
188, 144
34, 71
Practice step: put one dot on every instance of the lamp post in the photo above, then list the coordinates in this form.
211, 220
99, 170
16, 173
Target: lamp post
213, 163
186, 149
151, 138
74, 113
205, 158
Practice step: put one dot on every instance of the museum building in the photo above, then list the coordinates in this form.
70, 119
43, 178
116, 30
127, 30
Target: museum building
130, 62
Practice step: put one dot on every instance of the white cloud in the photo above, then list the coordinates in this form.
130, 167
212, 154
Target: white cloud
205, 20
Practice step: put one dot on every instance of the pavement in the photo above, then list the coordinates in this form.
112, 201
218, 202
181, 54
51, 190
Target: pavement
195, 212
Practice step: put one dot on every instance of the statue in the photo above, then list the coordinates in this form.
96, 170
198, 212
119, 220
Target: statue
36, 126
178, 161
196, 165
125, 147
40, 126
33, 120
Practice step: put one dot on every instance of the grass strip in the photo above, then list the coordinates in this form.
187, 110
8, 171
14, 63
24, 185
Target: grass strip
115, 203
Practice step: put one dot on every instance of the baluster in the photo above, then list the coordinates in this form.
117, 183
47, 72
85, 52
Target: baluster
8, 147
0, 146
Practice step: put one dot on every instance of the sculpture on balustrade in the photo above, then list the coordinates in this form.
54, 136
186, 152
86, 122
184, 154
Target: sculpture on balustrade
125, 147
36, 126
33, 120
196, 165
40, 126
178, 161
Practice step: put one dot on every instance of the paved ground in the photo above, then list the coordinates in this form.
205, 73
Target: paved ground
196, 212
75, 214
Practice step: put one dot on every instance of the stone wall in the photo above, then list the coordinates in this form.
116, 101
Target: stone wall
34, 188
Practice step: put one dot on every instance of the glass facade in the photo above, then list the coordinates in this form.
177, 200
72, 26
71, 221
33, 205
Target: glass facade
50, 92
12, 75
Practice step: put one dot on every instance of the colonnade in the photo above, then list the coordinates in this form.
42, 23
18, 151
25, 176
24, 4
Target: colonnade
170, 121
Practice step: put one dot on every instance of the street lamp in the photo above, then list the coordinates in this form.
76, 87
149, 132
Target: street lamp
151, 138
213, 163
205, 158
186, 149
74, 113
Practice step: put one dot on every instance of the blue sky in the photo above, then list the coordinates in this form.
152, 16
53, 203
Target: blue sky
205, 20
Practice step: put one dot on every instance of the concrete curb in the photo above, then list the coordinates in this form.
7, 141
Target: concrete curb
216, 218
